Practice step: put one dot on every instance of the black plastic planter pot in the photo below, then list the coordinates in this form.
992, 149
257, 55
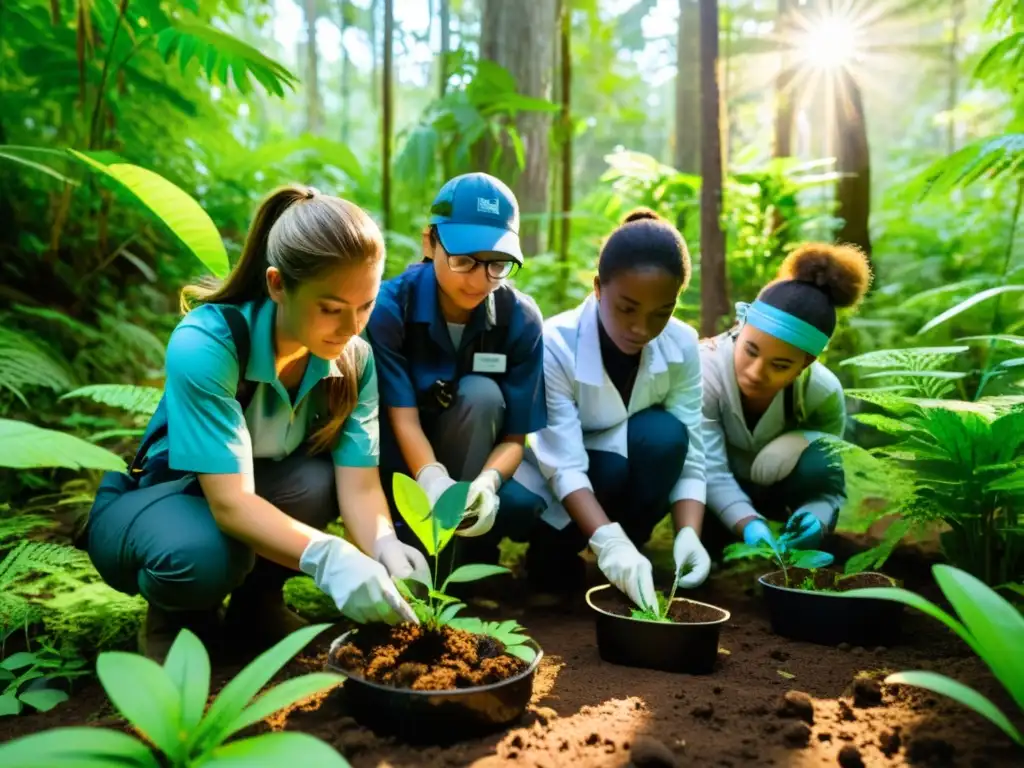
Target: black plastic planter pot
436, 717
829, 618
690, 648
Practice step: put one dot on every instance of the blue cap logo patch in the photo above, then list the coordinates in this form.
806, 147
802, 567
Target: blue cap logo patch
483, 205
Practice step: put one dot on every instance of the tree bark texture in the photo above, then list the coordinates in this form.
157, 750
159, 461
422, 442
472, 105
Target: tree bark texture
853, 162
520, 36
386, 123
714, 289
687, 144
313, 116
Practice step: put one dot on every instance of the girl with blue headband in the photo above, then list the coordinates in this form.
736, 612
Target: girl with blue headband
769, 404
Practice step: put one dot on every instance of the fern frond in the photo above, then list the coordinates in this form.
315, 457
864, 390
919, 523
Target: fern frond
26, 363
25, 446
987, 158
17, 526
890, 399
34, 556
133, 399
910, 359
131, 339
224, 58
16, 611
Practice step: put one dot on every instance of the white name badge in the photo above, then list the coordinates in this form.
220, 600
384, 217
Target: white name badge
488, 362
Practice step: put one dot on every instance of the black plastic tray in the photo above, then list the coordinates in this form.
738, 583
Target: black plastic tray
436, 717
668, 647
829, 618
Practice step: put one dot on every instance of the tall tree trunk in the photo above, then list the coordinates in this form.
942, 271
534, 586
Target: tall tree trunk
313, 117
346, 85
714, 290
956, 19
687, 144
565, 48
853, 162
519, 35
446, 41
784, 85
385, 191
374, 96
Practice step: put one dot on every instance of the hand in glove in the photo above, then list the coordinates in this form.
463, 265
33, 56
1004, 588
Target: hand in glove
692, 560
481, 504
757, 532
803, 530
359, 585
434, 480
401, 560
623, 565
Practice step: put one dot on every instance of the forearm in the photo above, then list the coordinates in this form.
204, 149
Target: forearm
688, 513
506, 457
266, 529
586, 512
363, 505
412, 441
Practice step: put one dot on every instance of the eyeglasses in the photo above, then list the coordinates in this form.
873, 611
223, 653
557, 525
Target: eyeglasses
496, 270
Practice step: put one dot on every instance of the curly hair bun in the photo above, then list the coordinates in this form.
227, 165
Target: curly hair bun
841, 271
639, 214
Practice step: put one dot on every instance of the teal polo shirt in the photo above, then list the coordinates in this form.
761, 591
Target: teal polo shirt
207, 430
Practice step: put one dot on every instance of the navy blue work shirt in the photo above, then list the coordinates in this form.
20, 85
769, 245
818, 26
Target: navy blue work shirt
413, 296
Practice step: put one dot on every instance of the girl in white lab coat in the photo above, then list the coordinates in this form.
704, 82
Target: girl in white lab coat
623, 445
768, 403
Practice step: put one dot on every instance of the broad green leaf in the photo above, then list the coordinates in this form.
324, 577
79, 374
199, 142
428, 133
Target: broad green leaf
284, 695
143, 693
524, 652
188, 667
236, 695
963, 306
811, 559
80, 747
883, 423
473, 572
178, 211
45, 699
26, 446
451, 506
957, 691
946, 375
9, 705
996, 625
273, 750
130, 398
414, 507
450, 612
914, 600
992, 337
19, 660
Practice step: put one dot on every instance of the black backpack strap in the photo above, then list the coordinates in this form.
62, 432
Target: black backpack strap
244, 390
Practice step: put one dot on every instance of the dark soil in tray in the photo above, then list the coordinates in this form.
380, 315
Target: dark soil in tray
681, 612
440, 660
770, 702
826, 580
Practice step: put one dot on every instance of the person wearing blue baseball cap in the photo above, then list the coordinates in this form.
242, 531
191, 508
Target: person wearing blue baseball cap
460, 361
770, 406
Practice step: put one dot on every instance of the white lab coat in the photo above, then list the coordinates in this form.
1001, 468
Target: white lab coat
731, 447
585, 410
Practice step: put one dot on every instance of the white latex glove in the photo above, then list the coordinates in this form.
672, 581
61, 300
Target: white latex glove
623, 565
401, 560
358, 584
690, 555
481, 504
777, 460
434, 480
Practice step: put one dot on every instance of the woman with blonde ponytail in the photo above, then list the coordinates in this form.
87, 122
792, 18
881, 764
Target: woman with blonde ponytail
267, 429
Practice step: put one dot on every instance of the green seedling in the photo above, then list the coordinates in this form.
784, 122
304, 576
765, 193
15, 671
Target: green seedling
30, 678
435, 529
781, 553
167, 706
660, 611
992, 628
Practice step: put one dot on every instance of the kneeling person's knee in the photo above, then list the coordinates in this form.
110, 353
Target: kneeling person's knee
197, 574
657, 436
777, 460
482, 396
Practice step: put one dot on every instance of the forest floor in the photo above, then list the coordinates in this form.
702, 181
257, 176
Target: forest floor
586, 712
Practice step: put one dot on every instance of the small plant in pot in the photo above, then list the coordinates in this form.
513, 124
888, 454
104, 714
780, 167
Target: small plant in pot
676, 635
450, 677
805, 597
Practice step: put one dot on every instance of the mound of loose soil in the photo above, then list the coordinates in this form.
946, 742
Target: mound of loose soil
827, 580
409, 656
682, 611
